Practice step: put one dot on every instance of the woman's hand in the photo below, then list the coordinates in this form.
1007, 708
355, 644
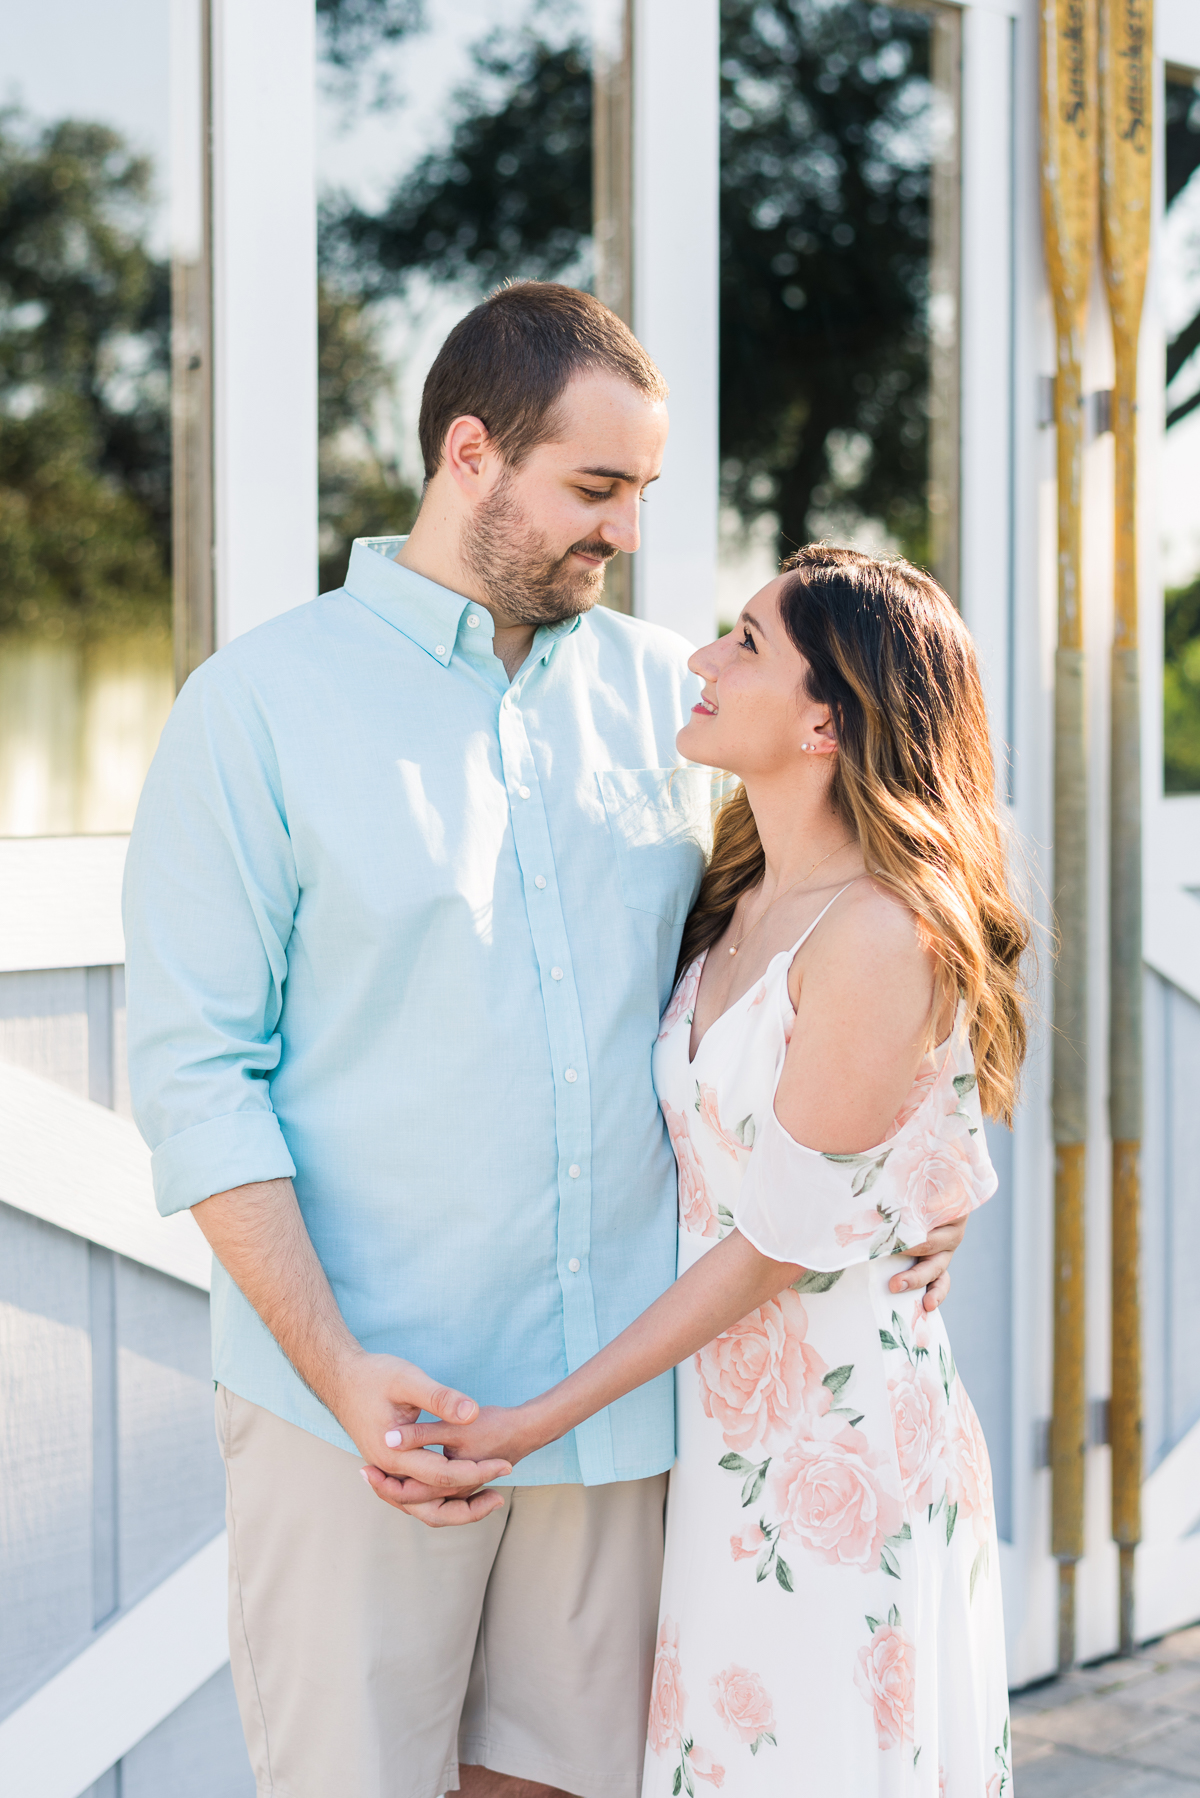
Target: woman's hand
932, 1270
497, 1433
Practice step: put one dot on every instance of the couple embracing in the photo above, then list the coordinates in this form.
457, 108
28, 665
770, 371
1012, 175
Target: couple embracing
512, 1092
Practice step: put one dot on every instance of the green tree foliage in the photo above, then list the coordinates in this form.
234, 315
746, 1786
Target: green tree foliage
85, 497
824, 236
351, 29
362, 491
824, 260
1182, 162
85, 418
1181, 691
509, 194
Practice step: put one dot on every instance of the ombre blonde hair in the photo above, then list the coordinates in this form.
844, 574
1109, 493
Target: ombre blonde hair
895, 664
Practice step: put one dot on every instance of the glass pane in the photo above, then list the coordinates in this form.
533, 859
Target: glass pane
839, 283
1179, 269
86, 676
455, 150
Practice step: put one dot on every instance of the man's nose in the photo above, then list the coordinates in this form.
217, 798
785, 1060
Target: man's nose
622, 526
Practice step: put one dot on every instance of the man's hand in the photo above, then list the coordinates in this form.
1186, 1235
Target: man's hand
375, 1398
932, 1270
258, 1235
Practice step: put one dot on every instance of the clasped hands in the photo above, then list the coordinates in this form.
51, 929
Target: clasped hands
383, 1397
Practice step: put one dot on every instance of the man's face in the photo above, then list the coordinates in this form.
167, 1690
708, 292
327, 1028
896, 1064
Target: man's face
538, 542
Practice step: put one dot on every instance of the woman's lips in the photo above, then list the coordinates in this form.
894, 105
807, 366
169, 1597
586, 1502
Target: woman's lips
703, 710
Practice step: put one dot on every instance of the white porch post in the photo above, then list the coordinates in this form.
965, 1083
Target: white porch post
676, 48
265, 310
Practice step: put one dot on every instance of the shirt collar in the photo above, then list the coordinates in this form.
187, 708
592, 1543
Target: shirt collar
427, 614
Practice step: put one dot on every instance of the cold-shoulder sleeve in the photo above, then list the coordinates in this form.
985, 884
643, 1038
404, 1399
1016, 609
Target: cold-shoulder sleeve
827, 1212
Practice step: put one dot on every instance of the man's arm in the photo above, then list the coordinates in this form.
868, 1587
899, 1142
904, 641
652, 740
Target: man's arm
257, 1234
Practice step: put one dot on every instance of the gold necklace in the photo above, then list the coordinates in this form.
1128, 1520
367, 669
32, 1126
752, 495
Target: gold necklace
775, 901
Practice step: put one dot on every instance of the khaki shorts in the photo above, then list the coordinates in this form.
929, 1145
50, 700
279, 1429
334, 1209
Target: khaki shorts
371, 1654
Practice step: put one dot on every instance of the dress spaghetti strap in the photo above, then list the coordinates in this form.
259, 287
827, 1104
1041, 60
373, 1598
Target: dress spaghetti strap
796, 947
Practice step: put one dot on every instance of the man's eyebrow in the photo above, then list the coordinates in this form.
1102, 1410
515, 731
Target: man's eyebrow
616, 474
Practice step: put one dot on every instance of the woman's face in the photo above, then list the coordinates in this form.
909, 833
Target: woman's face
755, 713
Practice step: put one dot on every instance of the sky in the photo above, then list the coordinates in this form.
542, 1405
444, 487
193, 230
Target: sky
107, 61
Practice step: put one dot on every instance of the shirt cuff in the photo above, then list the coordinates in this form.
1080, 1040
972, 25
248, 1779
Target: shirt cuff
217, 1155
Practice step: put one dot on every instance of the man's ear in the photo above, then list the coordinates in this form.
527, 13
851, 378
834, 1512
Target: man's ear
467, 443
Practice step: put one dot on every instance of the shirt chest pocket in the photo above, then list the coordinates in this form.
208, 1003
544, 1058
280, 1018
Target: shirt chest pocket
660, 820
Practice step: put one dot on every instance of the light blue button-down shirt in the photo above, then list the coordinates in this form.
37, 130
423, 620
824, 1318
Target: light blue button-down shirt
403, 930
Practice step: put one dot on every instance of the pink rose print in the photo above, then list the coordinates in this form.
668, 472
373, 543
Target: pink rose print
969, 1480
667, 1696
747, 1545
915, 1400
697, 1212
704, 1766
885, 1675
831, 1497
933, 1175
862, 1227
742, 1703
941, 1781
994, 1787
710, 1112
761, 1376
682, 998
919, 1091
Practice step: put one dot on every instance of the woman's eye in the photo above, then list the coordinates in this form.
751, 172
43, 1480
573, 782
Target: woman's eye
748, 641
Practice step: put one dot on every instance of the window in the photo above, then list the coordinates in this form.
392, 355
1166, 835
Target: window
1179, 269
93, 195
455, 150
839, 284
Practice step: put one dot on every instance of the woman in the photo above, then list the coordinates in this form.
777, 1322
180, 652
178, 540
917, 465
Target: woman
849, 1006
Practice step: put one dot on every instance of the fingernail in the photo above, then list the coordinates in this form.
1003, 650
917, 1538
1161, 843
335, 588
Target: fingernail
393, 1439
363, 1471
466, 1410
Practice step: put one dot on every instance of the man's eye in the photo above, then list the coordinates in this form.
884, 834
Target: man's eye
590, 493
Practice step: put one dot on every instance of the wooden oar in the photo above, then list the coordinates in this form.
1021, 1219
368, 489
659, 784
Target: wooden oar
1126, 86
1069, 184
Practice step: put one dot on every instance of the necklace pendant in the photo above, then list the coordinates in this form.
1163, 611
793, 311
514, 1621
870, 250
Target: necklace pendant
734, 950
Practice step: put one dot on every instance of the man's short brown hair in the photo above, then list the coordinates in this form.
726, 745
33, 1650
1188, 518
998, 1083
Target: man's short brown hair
509, 360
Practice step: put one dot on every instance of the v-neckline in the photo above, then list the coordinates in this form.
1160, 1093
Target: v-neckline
731, 1007
734, 1003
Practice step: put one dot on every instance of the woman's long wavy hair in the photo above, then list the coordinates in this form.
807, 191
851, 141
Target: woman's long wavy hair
895, 664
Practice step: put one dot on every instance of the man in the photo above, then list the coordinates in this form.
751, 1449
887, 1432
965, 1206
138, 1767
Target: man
403, 904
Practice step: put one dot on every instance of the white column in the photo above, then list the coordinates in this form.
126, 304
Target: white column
265, 310
675, 262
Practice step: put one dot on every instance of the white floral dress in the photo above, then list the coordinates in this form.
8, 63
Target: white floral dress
831, 1620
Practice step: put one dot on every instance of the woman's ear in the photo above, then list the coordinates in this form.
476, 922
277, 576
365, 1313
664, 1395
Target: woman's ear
819, 737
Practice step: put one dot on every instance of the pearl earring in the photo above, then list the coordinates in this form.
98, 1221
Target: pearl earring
806, 745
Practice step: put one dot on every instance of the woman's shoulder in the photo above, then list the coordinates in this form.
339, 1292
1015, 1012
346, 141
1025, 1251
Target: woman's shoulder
870, 918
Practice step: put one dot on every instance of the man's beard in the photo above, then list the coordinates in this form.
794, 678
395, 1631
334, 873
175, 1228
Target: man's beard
521, 581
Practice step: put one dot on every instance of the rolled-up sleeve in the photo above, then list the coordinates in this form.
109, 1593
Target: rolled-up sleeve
210, 896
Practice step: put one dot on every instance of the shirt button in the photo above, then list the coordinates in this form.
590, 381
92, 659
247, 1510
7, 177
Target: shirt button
539, 880
573, 1170
524, 792
472, 620
570, 1076
573, 1265
556, 974
440, 650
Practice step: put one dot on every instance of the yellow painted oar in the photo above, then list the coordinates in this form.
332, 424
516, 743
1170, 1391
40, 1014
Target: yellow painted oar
1126, 88
1069, 192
